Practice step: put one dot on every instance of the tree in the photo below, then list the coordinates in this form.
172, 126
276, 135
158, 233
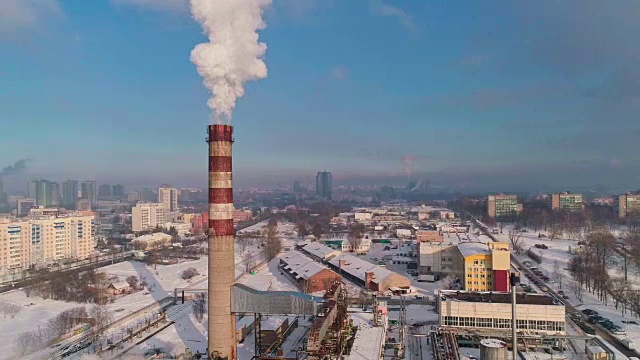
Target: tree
101, 316
26, 343
189, 273
317, 231
248, 261
355, 234
515, 238
557, 274
301, 228
133, 281
200, 306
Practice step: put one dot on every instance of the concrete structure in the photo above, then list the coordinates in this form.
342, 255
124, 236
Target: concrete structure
309, 275
152, 241
244, 326
24, 206
492, 312
486, 266
567, 201
45, 239
324, 185
274, 329
503, 206
169, 197
493, 349
371, 277
627, 204
221, 323
147, 216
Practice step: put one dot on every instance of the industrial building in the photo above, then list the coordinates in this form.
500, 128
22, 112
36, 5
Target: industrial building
627, 204
432, 236
148, 216
371, 277
492, 312
486, 266
503, 206
439, 258
151, 241
567, 201
275, 329
309, 275
45, 239
318, 252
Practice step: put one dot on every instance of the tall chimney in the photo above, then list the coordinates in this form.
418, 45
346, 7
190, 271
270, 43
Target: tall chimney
221, 326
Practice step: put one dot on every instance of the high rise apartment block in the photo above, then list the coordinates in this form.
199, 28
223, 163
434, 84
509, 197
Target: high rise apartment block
567, 201
89, 191
503, 206
69, 194
169, 197
46, 193
627, 204
41, 240
324, 185
147, 216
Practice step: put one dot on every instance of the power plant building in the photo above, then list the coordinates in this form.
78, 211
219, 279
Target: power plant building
489, 311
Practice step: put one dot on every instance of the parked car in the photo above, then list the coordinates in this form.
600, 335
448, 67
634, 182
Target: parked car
589, 312
541, 246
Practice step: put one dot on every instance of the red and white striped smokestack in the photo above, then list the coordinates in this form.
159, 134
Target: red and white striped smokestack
222, 330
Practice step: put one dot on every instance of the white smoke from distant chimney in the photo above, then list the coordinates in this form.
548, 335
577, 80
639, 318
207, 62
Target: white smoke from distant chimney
233, 54
407, 161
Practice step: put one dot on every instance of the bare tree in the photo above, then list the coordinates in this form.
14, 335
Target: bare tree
12, 309
557, 273
133, 281
101, 316
26, 343
200, 306
248, 261
355, 234
576, 288
189, 273
515, 238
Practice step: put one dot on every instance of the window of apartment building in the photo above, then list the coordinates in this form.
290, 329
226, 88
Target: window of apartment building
475, 262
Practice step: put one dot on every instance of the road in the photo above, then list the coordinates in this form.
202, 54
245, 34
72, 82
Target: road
568, 307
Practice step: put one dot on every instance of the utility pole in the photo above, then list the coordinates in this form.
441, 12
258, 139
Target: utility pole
514, 339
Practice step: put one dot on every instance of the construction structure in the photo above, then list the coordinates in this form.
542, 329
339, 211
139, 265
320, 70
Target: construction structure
221, 322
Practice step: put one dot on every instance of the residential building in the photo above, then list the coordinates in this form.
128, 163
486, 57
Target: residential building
297, 188
148, 195
324, 185
429, 236
24, 206
88, 191
134, 196
83, 205
46, 193
474, 311
567, 201
503, 206
45, 239
69, 194
104, 192
627, 204
169, 197
309, 275
486, 267
147, 216
182, 228
242, 215
117, 192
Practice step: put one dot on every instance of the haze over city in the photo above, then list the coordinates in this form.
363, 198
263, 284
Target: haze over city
483, 95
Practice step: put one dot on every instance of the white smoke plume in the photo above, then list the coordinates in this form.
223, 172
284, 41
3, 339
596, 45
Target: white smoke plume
233, 54
407, 161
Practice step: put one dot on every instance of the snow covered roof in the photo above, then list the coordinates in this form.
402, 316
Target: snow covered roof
320, 251
358, 267
369, 340
301, 265
272, 323
470, 249
119, 285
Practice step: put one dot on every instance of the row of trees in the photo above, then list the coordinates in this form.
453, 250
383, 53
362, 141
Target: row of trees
61, 325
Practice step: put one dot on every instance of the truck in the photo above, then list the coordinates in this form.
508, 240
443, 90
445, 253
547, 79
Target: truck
429, 278
628, 344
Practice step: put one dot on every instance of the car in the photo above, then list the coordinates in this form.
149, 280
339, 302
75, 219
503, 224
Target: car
618, 331
588, 329
560, 292
565, 297
589, 312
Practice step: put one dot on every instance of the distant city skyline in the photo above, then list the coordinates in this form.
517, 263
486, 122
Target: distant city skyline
496, 99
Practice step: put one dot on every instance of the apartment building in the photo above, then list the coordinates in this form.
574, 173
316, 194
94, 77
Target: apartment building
627, 204
147, 216
169, 197
567, 201
45, 239
486, 266
503, 206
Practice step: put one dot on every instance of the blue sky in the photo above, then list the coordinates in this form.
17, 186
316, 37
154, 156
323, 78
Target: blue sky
480, 94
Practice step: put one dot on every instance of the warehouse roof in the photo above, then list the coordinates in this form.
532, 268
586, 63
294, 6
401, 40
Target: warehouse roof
357, 267
301, 265
470, 249
320, 251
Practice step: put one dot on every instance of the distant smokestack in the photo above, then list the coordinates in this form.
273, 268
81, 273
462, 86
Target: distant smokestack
222, 330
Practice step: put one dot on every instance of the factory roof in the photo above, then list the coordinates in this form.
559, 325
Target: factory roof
272, 323
357, 267
320, 251
301, 265
470, 249
495, 297
369, 340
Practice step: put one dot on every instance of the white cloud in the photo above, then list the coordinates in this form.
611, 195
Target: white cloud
167, 5
379, 7
21, 15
